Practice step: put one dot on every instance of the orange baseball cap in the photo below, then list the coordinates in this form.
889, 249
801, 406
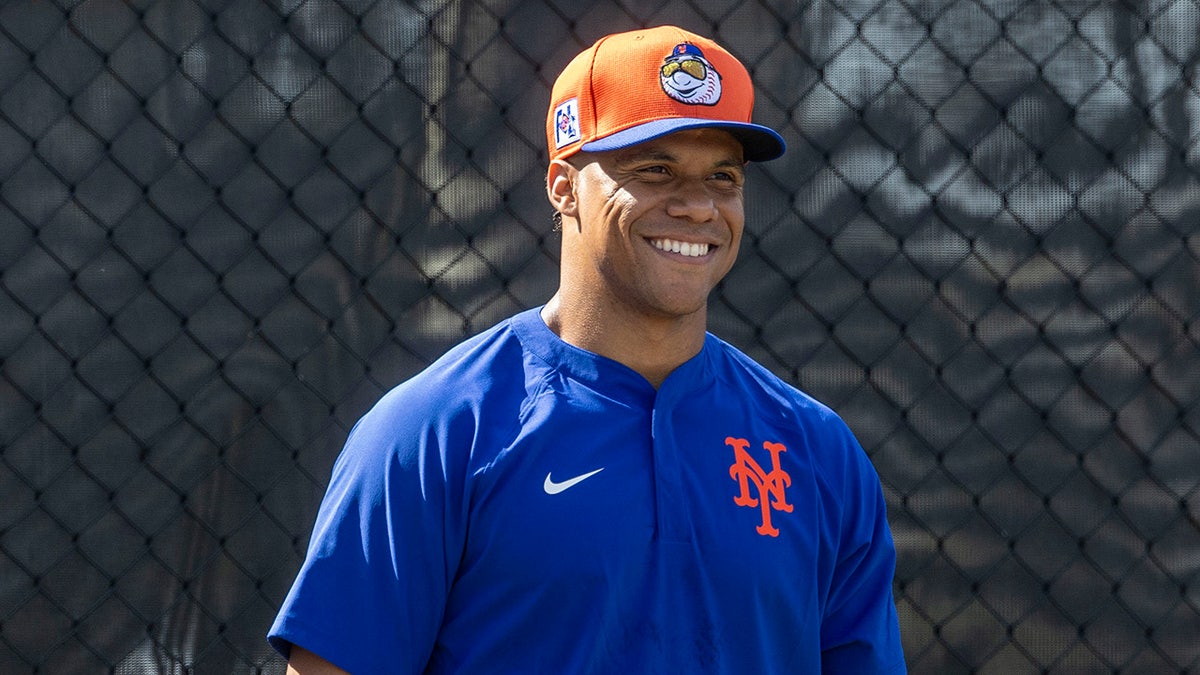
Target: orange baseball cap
632, 87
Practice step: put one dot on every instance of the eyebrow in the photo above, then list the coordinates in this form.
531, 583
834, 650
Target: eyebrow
642, 153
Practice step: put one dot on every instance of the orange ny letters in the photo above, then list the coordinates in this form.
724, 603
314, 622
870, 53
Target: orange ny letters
770, 486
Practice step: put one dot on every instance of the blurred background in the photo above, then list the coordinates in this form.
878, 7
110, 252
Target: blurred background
226, 227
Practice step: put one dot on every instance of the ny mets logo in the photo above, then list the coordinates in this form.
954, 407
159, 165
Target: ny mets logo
566, 123
770, 486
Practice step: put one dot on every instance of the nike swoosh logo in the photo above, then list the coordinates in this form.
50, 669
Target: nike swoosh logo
553, 488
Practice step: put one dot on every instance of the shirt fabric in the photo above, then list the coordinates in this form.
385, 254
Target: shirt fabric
526, 506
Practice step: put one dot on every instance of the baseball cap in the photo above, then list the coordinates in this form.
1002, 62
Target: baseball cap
632, 87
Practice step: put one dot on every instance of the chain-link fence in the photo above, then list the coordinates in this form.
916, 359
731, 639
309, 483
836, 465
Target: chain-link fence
228, 226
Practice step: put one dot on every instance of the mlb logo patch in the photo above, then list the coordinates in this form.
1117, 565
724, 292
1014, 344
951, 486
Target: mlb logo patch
566, 123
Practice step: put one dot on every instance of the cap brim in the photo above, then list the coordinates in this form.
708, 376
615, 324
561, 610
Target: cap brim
758, 142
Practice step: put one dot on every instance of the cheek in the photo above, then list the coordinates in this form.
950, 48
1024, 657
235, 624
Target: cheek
615, 214
595, 194
735, 215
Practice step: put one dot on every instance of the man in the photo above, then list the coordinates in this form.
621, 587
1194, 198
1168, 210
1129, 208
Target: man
598, 485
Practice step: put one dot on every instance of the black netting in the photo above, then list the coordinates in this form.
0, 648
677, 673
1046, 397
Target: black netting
228, 226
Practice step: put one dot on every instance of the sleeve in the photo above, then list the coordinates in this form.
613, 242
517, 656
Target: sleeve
371, 592
860, 631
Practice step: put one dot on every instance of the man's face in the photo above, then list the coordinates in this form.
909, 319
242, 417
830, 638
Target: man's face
659, 222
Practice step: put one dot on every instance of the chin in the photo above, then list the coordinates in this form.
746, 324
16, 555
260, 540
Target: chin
677, 308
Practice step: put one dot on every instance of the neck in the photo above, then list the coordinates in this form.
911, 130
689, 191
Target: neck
651, 346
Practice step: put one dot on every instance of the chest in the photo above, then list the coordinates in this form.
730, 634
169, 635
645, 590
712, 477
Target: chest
597, 492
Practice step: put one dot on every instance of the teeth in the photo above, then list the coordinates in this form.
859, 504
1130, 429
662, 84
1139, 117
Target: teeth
683, 248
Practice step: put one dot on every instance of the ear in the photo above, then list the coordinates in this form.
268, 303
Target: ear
560, 188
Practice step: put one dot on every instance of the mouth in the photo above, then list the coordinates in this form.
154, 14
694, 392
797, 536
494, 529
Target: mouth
683, 248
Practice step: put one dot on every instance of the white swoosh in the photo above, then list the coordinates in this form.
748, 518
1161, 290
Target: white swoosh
553, 488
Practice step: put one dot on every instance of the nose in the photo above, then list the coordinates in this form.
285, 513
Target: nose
693, 202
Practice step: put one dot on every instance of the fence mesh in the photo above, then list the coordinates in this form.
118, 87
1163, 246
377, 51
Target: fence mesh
228, 226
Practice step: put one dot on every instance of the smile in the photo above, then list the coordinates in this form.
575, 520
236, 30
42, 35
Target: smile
683, 248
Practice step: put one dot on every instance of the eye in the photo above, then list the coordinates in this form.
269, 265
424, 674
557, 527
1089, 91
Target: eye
692, 67
728, 177
655, 170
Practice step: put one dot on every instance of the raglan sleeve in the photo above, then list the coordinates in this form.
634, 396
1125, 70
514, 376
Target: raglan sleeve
860, 631
371, 592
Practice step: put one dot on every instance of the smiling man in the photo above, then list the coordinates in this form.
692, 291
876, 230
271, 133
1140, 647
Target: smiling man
599, 485
648, 231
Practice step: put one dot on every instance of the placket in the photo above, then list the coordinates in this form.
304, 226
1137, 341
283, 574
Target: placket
674, 519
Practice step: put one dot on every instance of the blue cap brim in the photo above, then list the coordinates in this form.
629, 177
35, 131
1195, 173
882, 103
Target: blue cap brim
759, 143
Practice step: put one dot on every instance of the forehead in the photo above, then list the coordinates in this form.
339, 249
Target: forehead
714, 146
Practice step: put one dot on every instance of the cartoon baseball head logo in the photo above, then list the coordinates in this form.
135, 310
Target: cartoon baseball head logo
688, 77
